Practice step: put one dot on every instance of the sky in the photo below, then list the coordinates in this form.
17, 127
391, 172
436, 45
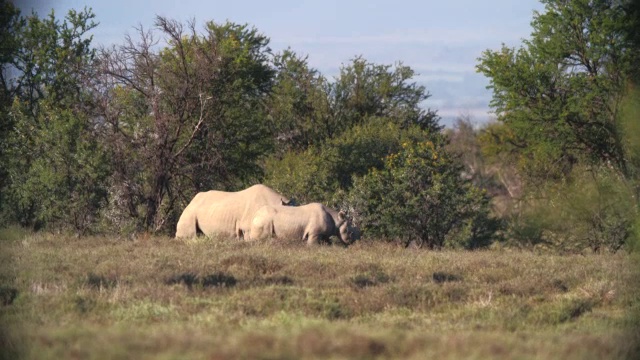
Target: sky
440, 40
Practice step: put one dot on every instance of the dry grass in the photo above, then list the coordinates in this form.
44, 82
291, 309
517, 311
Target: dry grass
64, 297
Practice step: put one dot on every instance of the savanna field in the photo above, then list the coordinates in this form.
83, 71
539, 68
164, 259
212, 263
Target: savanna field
516, 238
156, 297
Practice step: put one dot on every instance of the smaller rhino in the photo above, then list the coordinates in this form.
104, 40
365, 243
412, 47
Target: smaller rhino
312, 223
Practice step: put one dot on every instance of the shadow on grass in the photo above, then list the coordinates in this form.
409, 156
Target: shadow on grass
278, 280
7, 295
440, 277
99, 281
192, 280
370, 275
254, 264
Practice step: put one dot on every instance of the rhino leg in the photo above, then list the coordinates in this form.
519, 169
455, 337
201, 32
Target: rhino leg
240, 233
261, 231
186, 227
313, 239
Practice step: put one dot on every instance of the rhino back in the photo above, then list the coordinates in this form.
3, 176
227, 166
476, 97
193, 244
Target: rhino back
230, 213
252, 199
300, 220
262, 223
214, 214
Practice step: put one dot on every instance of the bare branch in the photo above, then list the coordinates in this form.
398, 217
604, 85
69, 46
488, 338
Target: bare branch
196, 128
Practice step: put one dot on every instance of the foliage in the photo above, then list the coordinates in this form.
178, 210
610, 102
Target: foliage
158, 124
325, 173
559, 94
364, 90
630, 111
10, 25
563, 134
630, 128
307, 109
498, 152
184, 119
595, 208
419, 196
121, 139
473, 145
298, 106
633, 34
55, 167
54, 59
595, 211
341, 129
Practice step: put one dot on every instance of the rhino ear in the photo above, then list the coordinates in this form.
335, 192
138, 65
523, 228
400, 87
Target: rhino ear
291, 202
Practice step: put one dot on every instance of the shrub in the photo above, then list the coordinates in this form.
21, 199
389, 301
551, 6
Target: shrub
420, 196
325, 172
300, 175
595, 209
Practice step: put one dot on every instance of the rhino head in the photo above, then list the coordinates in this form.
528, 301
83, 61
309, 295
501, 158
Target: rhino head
346, 231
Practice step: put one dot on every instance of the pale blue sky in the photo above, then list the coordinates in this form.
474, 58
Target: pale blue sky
441, 40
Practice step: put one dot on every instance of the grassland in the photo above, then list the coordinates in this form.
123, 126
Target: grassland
155, 297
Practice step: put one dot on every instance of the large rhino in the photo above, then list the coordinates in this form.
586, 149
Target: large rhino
226, 213
312, 223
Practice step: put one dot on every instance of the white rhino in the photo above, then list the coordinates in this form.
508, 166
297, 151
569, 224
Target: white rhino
225, 213
312, 223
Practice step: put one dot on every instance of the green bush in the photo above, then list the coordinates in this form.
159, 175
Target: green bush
300, 175
58, 171
420, 196
324, 172
595, 209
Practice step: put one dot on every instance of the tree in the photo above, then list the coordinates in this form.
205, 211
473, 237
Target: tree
559, 100
325, 172
364, 90
298, 106
559, 94
55, 168
10, 25
187, 118
344, 127
308, 110
464, 141
63, 186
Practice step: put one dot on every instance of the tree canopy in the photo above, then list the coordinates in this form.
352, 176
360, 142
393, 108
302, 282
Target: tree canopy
564, 102
559, 94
